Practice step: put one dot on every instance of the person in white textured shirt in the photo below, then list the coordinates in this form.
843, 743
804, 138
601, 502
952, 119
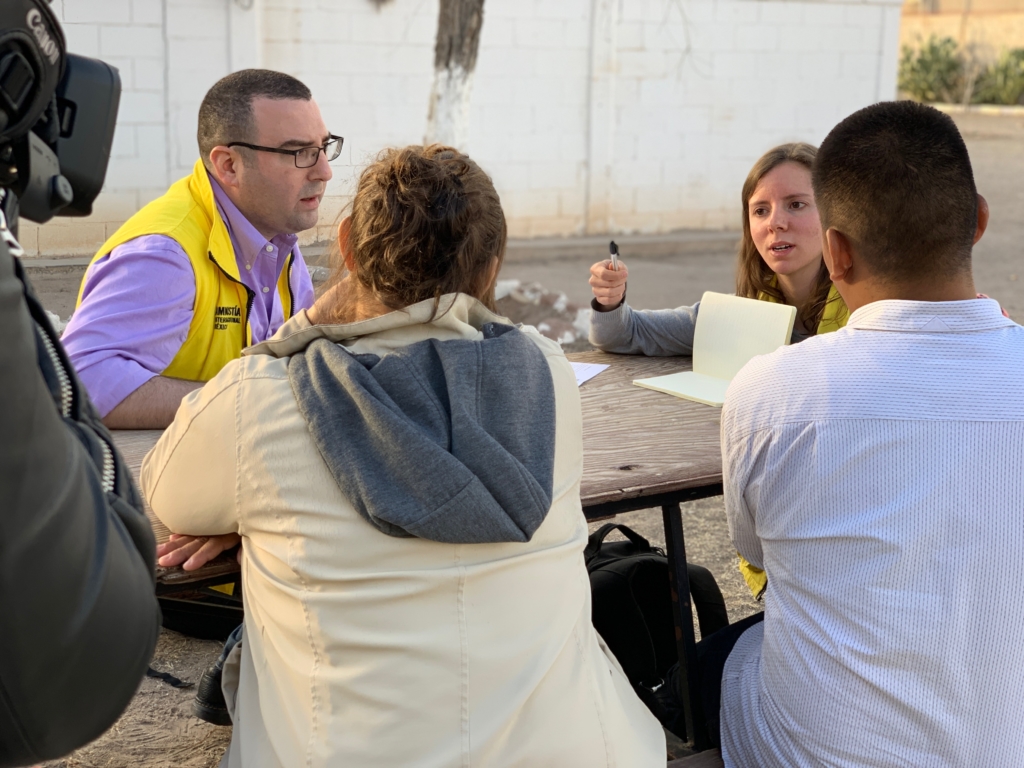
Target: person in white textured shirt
877, 475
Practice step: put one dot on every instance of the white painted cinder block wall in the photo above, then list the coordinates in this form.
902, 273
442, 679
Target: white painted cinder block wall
592, 116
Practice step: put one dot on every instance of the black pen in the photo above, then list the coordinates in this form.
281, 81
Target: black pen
613, 250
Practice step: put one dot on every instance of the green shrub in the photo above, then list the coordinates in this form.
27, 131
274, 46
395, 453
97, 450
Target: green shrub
935, 72
1003, 82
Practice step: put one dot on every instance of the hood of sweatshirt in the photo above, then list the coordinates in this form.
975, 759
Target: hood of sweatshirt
446, 440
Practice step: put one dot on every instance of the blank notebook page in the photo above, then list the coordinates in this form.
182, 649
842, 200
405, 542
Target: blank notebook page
732, 330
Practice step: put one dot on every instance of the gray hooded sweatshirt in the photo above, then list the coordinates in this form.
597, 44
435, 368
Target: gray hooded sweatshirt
451, 441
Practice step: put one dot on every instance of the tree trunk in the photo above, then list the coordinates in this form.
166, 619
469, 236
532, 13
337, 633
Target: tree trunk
458, 39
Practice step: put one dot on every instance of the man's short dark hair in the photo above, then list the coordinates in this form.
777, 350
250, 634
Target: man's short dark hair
896, 179
226, 112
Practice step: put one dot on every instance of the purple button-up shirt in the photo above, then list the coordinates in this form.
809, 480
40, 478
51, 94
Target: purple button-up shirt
138, 301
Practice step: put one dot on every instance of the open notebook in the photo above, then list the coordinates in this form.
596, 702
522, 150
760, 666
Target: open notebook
730, 331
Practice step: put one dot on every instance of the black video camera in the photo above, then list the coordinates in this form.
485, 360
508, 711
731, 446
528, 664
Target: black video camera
57, 116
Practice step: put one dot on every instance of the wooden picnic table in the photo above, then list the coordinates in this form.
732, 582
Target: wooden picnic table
641, 449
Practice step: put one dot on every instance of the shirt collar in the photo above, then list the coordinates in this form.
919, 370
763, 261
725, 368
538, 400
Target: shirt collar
248, 242
929, 316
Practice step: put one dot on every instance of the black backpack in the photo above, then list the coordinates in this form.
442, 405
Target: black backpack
632, 611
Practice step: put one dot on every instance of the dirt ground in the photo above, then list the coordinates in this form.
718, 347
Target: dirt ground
157, 729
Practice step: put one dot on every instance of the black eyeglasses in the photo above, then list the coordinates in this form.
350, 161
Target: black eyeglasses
305, 157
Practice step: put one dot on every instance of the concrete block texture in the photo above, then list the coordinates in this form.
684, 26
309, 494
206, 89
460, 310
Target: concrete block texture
124, 142
127, 173
83, 39
590, 115
147, 11
147, 74
198, 22
134, 40
113, 207
94, 11
141, 107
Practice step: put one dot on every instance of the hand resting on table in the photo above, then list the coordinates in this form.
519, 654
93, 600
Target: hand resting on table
193, 552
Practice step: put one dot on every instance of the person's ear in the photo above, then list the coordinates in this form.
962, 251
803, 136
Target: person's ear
982, 218
225, 164
344, 232
837, 254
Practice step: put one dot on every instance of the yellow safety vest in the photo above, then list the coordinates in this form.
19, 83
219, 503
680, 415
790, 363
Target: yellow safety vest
220, 316
832, 319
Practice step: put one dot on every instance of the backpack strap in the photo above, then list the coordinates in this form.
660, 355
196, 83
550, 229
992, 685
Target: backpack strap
597, 538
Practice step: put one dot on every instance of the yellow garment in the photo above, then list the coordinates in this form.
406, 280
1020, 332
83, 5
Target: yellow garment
832, 319
220, 319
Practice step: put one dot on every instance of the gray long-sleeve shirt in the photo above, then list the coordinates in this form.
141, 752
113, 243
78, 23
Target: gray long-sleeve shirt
651, 332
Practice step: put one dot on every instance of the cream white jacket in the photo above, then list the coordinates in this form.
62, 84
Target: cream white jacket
362, 649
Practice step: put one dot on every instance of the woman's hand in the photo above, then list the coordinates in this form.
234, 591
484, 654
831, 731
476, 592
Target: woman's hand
609, 286
192, 552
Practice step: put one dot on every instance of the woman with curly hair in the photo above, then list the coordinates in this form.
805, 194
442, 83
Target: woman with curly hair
403, 466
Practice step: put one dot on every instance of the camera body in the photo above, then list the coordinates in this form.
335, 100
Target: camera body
57, 117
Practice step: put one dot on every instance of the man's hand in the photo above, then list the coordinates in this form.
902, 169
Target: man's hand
609, 286
192, 552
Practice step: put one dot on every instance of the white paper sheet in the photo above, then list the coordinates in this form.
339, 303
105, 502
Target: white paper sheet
586, 371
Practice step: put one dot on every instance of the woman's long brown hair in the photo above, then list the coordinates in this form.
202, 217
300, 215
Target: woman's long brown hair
753, 275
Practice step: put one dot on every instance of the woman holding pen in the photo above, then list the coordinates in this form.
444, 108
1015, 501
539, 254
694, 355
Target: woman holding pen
779, 261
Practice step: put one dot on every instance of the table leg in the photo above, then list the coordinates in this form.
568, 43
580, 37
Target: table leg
686, 642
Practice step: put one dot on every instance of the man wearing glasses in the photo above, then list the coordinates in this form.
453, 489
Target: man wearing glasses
213, 265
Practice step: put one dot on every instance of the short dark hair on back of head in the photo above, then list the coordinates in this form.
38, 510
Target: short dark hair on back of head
226, 112
896, 179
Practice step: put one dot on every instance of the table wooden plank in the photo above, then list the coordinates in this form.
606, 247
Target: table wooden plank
638, 442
